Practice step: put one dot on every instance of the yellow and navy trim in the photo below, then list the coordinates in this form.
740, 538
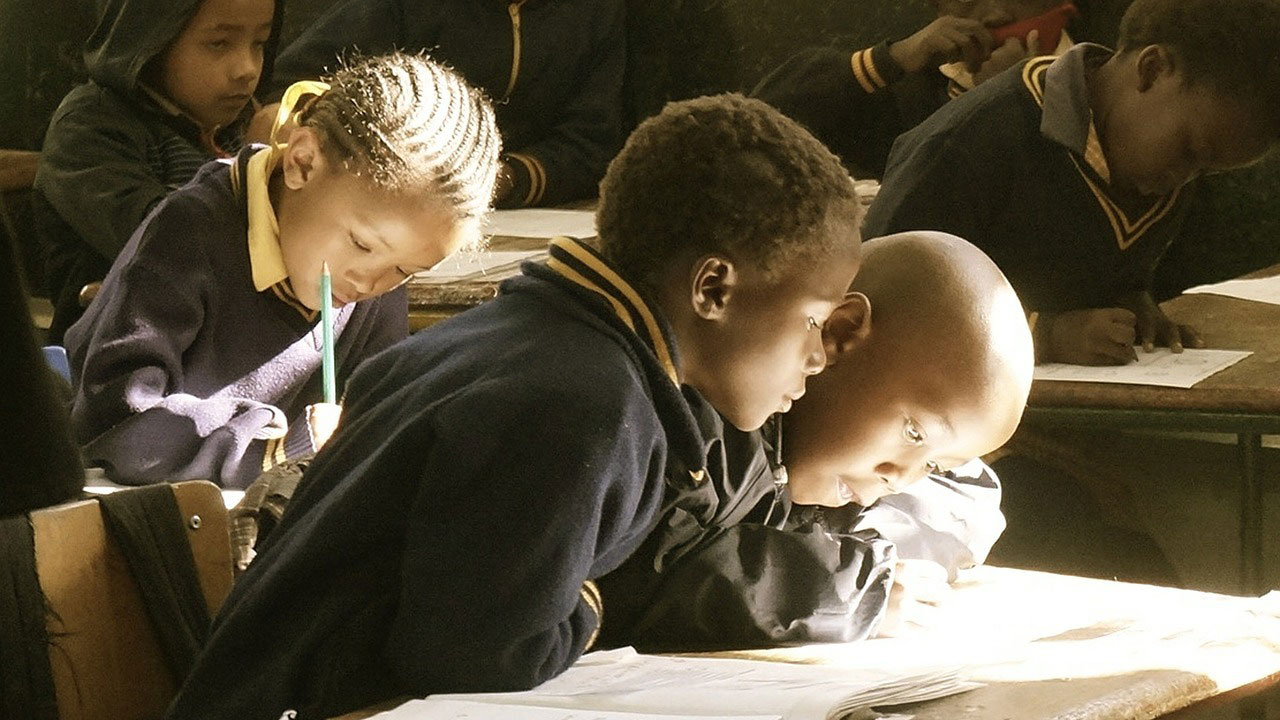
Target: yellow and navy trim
259, 247
591, 596
274, 454
1095, 172
537, 174
583, 266
874, 68
513, 9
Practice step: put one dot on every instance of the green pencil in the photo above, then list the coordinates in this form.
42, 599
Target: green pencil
326, 325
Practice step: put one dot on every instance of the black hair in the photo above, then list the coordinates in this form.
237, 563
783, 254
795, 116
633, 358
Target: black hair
410, 124
722, 174
1229, 46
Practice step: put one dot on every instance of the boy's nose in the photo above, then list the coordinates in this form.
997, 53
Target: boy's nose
248, 66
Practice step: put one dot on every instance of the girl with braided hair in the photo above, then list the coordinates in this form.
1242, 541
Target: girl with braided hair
199, 357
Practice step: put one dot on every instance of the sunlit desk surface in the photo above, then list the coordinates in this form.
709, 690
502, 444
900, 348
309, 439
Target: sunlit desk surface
1243, 400
1055, 647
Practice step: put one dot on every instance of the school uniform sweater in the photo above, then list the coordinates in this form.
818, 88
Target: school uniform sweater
115, 147
732, 563
856, 101
183, 369
553, 69
487, 468
1015, 167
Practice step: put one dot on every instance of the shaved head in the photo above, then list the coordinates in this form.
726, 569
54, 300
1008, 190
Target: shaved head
930, 366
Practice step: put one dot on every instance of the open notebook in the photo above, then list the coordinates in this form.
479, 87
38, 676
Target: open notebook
625, 685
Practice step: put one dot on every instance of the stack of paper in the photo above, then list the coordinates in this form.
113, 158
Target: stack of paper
623, 681
541, 223
486, 264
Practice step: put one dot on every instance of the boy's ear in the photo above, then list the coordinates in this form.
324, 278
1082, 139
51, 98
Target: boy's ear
303, 157
714, 279
847, 328
1153, 61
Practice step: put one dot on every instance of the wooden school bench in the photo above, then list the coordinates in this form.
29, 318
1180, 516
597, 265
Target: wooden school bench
1242, 400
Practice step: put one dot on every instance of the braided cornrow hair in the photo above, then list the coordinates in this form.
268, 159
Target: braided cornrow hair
410, 125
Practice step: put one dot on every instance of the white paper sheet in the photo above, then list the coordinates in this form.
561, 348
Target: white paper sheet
1160, 367
625, 681
542, 223
1265, 290
434, 709
464, 264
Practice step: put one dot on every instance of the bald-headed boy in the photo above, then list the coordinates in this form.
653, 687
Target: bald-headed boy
930, 364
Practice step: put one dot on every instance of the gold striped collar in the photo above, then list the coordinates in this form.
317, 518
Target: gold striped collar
583, 266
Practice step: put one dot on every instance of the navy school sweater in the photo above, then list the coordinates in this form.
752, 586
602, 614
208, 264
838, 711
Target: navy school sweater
1013, 167
857, 102
485, 470
182, 368
732, 563
553, 69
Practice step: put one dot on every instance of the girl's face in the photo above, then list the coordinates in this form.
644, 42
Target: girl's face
372, 239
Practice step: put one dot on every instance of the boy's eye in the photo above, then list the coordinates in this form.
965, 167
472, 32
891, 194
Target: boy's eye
357, 243
219, 44
912, 433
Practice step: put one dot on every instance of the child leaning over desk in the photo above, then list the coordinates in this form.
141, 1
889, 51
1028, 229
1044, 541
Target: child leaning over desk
491, 467
1073, 173
200, 357
170, 87
867, 483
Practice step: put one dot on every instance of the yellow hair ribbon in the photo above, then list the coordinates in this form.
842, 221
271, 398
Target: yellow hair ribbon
288, 107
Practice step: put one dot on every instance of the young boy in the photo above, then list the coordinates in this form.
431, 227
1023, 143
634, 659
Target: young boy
201, 358
170, 88
553, 69
929, 367
490, 468
858, 100
1070, 172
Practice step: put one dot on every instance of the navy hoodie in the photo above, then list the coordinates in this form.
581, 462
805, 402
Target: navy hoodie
111, 152
485, 471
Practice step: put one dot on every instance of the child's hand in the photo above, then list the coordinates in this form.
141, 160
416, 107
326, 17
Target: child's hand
1093, 337
1006, 56
1154, 328
918, 587
944, 40
322, 420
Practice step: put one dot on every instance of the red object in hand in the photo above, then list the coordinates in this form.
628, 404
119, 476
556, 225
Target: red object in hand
1049, 24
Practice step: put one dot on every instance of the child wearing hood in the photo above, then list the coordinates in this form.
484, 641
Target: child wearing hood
170, 87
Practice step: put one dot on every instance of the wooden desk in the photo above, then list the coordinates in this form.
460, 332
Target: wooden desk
1243, 400
1055, 647
432, 301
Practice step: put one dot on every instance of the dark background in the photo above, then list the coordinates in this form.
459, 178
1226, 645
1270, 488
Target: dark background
677, 49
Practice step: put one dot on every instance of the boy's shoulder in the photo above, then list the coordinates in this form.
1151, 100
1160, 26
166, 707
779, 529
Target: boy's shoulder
1002, 111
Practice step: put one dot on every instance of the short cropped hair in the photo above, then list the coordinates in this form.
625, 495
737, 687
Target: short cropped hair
1229, 46
722, 174
411, 125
